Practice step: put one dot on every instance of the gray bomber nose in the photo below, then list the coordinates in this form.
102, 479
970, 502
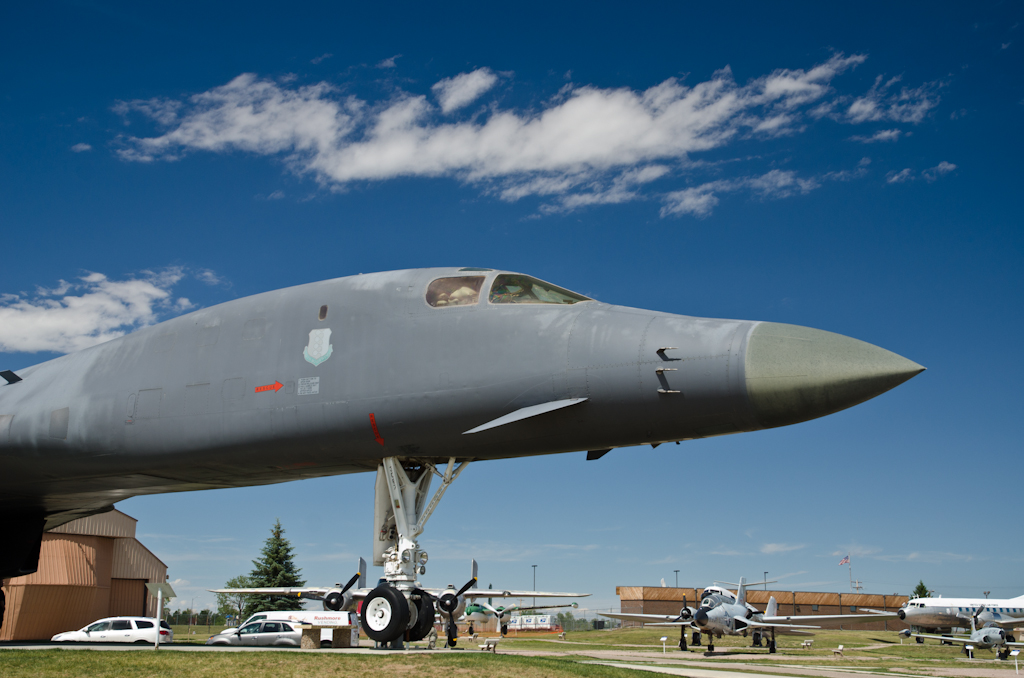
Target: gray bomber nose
796, 373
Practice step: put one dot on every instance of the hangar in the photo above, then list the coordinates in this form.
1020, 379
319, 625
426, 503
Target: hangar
669, 600
89, 568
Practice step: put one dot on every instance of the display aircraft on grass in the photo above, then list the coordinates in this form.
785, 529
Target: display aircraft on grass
985, 637
410, 374
942, 615
481, 613
723, 613
377, 605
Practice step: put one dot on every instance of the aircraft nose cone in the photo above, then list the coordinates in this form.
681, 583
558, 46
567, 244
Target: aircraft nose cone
701, 618
796, 373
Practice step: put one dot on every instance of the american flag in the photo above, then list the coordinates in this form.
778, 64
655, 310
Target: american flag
846, 560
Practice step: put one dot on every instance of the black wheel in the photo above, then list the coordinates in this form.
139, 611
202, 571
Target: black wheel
424, 615
696, 638
711, 647
920, 641
771, 647
385, 614
504, 629
140, 641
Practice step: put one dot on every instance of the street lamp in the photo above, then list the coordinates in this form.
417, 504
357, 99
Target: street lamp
677, 577
535, 584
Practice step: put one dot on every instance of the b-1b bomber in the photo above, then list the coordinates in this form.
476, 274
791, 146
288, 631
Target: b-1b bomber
410, 374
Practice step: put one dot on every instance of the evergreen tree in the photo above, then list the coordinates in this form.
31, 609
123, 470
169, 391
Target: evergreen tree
275, 568
920, 591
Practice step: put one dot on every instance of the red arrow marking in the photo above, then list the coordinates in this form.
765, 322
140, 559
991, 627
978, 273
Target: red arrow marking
275, 387
376, 433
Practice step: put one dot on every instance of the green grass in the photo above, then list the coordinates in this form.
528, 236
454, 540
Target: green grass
143, 664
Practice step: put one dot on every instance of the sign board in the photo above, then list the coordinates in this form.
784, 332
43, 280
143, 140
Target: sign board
161, 588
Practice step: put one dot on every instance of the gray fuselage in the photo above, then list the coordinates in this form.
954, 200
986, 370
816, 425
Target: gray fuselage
179, 405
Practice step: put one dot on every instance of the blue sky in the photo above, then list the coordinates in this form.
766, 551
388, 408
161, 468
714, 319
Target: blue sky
853, 169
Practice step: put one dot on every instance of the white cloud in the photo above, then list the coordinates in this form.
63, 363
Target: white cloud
781, 548
463, 89
880, 135
908, 105
89, 311
933, 173
276, 195
81, 148
701, 200
584, 146
389, 62
895, 177
849, 175
322, 57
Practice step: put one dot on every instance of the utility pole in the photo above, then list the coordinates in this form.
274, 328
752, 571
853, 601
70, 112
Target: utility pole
535, 584
766, 580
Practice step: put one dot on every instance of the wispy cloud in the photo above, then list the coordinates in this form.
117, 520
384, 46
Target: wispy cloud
89, 310
585, 146
81, 148
389, 62
894, 177
781, 548
322, 57
933, 173
881, 135
463, 89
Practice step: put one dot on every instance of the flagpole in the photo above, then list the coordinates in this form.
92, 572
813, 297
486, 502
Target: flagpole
850, 563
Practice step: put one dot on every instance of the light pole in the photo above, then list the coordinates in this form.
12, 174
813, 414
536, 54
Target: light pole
677, 577
766, 580
535, 584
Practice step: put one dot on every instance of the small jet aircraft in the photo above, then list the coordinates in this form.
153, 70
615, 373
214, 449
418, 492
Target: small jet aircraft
942, 615
410, 374
723, 613
985, 637
377, 606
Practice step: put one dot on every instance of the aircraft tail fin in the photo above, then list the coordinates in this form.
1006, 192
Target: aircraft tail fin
741, 592
773, 607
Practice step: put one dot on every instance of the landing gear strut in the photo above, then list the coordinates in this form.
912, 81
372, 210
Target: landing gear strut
399, 609
771, 643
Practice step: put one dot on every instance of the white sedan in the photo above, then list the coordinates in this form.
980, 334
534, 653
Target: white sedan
119, 630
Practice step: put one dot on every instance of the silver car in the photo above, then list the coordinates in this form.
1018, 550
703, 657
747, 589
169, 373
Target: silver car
261, 633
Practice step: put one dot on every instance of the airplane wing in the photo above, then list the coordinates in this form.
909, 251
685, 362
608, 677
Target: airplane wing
649, 619
1006, 623
761, 624
313, 592
495, 593
850, 618
952, 639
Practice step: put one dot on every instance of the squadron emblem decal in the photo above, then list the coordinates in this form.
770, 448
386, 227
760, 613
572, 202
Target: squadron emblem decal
319, 348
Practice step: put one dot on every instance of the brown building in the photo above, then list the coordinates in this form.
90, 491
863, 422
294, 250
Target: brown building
89, 568
666, 600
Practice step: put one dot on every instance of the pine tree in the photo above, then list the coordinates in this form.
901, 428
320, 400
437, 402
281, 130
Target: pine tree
920, 591
274, 569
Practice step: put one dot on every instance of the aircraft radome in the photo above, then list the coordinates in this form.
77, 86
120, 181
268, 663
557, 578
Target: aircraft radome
410, 373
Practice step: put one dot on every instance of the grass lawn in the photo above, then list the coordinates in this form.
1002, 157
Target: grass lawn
96, 664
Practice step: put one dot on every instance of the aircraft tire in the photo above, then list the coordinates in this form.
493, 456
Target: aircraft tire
696, 639
920, 641
385, 614
711, 647
771, 647
425, 616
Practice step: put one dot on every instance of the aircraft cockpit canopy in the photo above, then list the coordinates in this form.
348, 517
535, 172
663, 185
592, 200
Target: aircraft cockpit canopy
458, 291
509, 288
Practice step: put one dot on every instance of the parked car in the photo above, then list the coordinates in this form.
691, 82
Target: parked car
292, 617
260, 633
119, 630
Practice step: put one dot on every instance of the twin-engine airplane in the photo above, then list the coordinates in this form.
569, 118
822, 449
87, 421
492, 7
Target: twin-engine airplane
377, 607
942, 615
411, 374
722, 613
985, 637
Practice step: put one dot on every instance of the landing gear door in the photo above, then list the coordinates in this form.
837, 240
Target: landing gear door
385, 534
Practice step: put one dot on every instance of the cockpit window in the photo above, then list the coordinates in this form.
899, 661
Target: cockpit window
522, 289
461, 291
